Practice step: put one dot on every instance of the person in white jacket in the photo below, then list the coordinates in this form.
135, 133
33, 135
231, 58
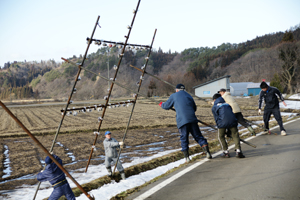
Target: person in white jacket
111, 154
236, 110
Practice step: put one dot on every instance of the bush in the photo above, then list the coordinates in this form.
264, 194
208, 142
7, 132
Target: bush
70, 71
52, 75
277, 82
35, 81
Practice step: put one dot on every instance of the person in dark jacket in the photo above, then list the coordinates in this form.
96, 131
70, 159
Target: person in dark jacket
236, 110
111, 154
57, 179
186, 119
270, 96
225, 119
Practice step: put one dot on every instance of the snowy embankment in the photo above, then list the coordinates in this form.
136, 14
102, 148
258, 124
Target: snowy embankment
290, 104
96, 171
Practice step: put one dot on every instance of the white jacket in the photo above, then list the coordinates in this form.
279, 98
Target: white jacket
230, 100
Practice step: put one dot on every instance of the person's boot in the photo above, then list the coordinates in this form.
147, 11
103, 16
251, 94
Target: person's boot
206, 149
187, 156
239, 154
109, 172
123, 175
251, 130
225, 154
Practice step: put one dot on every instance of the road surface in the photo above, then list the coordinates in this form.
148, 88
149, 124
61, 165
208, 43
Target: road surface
271, 171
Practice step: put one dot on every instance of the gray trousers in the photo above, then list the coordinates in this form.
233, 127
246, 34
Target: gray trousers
108, 161
234, 134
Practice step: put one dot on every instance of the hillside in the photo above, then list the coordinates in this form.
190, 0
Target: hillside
249, 61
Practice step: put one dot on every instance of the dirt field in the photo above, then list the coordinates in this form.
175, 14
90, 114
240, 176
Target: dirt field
146, 114
154, 130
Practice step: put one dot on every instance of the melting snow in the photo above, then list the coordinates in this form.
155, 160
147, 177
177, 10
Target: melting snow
7, 169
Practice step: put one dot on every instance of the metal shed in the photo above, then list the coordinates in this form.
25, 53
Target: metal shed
239, 89
209, 88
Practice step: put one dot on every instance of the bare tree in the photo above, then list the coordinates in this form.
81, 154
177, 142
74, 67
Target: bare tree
290, 57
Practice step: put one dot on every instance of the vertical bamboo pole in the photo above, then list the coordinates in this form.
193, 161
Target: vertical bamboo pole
68, 102
136, 96
112, 84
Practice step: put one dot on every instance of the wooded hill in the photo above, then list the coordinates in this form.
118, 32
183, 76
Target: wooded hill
248, 61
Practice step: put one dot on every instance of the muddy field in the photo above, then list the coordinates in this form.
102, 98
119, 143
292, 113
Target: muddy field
153, 130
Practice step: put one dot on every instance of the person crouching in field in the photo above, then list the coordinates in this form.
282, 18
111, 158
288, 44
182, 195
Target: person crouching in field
225, 119
111, 154
236, 110
57, 178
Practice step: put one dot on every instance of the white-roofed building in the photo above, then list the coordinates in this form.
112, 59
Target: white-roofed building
209, 88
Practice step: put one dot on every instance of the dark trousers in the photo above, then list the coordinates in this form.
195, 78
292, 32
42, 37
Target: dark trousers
234, 134
240, 118
276, 112
192, 128
62, 190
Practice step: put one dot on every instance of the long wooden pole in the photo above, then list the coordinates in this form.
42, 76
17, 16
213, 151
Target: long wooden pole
44, 149
136, 96
112, 84
69, 99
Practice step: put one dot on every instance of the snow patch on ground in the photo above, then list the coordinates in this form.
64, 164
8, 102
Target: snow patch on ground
109, 190
290, 105
7, 169
94, 172
70, 154
295, 96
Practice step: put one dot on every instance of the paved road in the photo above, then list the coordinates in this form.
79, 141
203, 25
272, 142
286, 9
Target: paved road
271, 171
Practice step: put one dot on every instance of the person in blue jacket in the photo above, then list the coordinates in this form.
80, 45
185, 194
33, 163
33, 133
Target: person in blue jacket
225, 119
57, 179
186, 119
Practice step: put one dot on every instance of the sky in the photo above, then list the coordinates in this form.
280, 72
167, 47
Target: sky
35, 30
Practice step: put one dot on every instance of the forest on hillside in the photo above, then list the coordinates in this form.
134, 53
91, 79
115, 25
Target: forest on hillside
274, 57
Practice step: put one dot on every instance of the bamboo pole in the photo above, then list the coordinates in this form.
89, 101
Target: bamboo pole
165, 82
69, 99
112, 83
44, 149
136, 96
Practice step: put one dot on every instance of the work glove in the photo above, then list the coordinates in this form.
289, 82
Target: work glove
121, 144
259, 111
160, 104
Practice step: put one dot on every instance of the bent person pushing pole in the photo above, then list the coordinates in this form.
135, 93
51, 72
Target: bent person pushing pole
186, 119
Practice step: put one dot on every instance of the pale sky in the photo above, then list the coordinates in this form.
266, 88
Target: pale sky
42, 30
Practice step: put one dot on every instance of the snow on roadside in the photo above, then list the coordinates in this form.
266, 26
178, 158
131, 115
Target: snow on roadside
295, 96
107, 191
290, 104
94, 172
